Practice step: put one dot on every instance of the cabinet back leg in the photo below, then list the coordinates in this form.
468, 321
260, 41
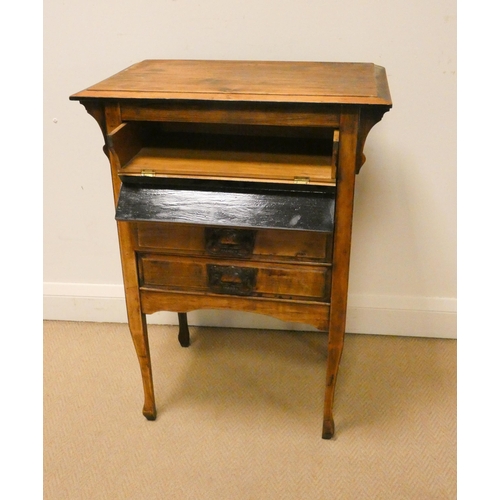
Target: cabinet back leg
183, 337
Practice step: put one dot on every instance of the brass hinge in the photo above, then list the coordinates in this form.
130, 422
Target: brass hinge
301, 180
335, 150
148, 173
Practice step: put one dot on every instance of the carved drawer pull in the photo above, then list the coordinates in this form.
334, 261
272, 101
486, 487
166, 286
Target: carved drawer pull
231, 280
229, 242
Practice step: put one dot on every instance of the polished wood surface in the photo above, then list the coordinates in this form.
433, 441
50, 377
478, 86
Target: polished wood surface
234, 277
234, 188
308, 312
206, 241
231, 113
350, 83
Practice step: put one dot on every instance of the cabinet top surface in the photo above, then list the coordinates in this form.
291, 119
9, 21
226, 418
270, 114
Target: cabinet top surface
264, 81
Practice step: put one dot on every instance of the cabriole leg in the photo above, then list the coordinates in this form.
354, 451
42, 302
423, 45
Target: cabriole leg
139, 331
349, 128
333, 363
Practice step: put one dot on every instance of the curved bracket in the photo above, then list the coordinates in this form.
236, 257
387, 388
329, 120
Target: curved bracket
96, 110
369, 117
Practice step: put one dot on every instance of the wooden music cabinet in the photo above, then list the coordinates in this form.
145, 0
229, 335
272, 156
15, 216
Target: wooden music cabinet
234, 185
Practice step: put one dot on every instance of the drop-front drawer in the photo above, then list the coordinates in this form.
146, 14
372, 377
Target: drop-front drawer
257, 279
267, 244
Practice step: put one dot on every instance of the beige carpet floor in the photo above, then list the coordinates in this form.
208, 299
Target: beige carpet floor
240, 415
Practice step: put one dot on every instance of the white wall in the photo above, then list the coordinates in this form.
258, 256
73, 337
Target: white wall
403, 265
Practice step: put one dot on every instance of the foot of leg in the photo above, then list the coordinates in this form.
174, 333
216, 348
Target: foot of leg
328, 428
149, 413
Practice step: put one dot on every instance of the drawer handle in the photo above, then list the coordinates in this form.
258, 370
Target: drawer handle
231, 280
229, 242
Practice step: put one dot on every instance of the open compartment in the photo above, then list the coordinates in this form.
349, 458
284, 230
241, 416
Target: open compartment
262, 153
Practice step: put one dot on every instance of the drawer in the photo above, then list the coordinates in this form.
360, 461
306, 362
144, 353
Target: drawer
266, 244
251, 279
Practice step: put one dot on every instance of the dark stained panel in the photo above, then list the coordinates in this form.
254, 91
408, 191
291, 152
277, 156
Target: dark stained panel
305, 211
